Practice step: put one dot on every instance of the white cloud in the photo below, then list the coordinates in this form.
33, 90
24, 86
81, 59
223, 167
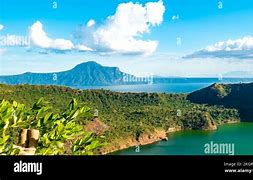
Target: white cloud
175, 17
240, 48
81, 47
245, 43
122, 31
155, 11
91, 23
1, 27
39, 38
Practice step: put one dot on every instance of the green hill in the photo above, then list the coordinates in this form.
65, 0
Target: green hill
238, 96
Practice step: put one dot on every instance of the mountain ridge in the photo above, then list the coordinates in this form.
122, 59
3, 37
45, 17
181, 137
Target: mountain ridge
87, 73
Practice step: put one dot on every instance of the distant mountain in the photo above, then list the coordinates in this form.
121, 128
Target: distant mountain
93, 74
85, 74
239, 96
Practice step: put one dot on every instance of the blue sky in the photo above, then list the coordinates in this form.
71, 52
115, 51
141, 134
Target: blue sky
151, 46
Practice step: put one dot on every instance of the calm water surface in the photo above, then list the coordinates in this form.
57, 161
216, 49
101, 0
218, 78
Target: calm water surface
192, 142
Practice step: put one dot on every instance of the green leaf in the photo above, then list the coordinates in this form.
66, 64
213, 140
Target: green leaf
15, 104
76, 113
73, 104
48, 117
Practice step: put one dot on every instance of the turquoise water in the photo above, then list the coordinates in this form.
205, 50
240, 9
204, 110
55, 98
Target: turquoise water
192, 142
159, 88
170, 85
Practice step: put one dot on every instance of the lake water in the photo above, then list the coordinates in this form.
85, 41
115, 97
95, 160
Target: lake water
189, 142
159, 88
170, 85
239, 135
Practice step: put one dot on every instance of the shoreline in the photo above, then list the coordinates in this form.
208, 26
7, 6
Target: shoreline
154, 138
145, 139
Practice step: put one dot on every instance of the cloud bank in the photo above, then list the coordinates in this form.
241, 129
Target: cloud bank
122, 31
91, 23
40, 39
240, 48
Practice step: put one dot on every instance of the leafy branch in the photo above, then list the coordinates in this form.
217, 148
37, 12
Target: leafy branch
55, 129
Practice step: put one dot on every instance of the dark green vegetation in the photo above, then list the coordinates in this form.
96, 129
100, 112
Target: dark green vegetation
54, 129
126, 114
89, 73
238, 96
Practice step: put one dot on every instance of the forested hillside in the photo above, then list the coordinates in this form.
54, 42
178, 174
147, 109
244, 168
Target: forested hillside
127, 115
238, 96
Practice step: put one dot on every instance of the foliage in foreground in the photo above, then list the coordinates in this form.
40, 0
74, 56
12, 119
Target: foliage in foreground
55, 129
